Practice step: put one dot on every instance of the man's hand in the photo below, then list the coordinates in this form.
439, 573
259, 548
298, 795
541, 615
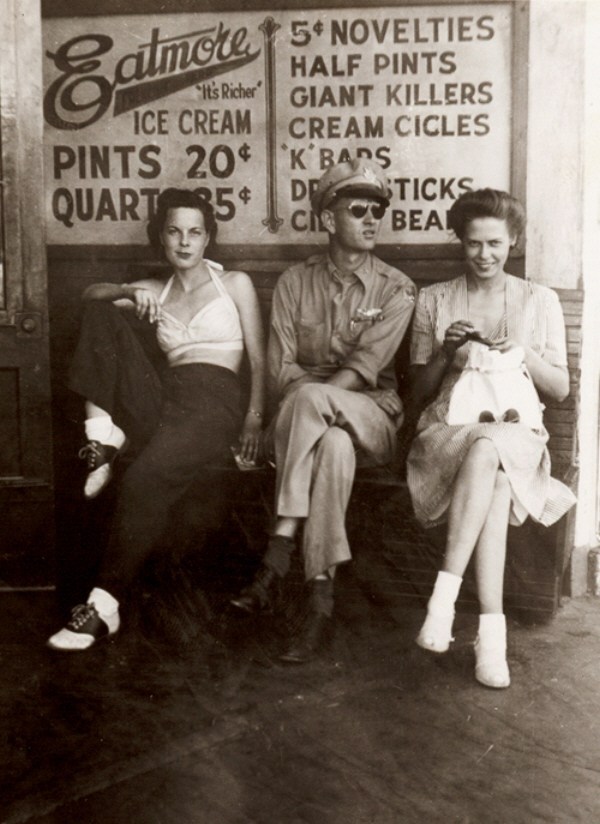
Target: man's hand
388, 400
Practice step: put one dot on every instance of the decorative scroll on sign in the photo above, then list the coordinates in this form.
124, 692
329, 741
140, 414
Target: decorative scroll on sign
250, 108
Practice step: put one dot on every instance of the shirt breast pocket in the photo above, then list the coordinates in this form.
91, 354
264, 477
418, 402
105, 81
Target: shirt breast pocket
311, 338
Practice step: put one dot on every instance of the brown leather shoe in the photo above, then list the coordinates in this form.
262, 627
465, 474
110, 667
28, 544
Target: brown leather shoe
260, 594
310, 640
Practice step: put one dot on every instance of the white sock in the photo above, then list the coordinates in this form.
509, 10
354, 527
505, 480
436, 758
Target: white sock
491, 666
492, 629
103, 601
445, 591
102, 428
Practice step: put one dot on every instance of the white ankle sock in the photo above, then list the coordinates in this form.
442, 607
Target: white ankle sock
491, 667
445, 592
102, 428
436, 632
103, 601
492, 629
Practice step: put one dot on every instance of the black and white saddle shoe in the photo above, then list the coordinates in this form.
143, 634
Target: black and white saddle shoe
99, 459
85, 628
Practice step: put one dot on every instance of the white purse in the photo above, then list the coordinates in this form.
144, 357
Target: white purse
495, 386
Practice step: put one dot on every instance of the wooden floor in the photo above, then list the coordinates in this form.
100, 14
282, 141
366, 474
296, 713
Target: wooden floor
165, 725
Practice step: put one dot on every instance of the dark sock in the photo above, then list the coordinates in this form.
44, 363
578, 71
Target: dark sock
278, 554
321, 596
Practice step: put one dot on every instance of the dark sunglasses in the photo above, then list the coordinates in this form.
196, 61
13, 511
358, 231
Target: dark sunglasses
359, 210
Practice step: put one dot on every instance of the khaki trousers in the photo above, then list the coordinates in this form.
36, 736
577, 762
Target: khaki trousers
318, 432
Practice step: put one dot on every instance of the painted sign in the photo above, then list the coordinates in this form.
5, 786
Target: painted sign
251, 109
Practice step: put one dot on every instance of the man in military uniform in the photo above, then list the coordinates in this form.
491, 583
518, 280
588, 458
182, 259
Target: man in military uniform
337, 321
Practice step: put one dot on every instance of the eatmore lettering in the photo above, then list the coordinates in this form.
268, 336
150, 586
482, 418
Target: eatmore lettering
81, 94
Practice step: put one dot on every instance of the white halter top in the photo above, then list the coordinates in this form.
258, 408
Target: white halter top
215, 326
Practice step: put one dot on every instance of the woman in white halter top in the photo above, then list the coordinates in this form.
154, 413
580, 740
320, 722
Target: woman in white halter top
185, 413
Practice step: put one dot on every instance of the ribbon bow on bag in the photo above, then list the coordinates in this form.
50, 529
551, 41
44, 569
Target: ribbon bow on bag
495, 386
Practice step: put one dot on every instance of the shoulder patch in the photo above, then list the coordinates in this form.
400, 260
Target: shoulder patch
408, 289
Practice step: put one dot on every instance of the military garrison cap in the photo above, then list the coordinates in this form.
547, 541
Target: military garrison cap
352, 178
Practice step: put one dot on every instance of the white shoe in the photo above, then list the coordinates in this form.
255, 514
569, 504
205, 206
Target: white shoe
491, 667
436, 632
85, 628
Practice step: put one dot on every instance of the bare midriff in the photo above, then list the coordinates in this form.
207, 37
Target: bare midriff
231, 359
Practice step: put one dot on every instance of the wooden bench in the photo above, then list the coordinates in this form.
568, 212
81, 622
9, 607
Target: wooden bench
386, 539
389, 544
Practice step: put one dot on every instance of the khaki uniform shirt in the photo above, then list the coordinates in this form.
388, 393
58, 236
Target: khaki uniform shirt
322, 322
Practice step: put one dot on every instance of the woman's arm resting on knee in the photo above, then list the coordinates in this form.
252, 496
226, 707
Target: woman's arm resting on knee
142, 294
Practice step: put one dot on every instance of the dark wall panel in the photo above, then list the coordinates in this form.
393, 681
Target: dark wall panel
10, 463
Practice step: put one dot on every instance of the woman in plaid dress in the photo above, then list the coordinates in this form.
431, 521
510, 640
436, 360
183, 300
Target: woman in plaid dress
481, 476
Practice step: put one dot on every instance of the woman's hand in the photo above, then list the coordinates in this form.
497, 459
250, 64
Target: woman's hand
456, 335
250, 439
145, 302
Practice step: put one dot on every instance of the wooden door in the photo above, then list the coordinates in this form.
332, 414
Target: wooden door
26, 499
